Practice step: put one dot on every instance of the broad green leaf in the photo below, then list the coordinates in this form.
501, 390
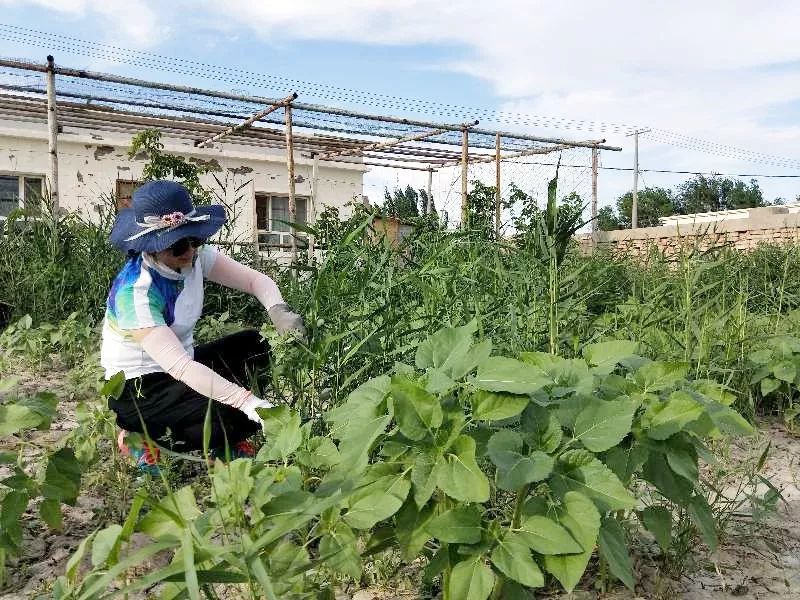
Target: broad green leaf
664, 419
656, 376
545, 536
682, 459
605, 356
418, 413
11, 509
624, 462
114, 386
512, 557
579, 515
436, 382
320, 452
726, 419
701, 515
657, 471
580, 471
541, 428
43, 404
357, 424
471, 579
491, 406
168, 518
286, 557
282, 432
614, 548
785, 371
62, 478
658, 521
458, 475
769, 385
515, 469
603, 424
411, 531
423, 478
500, 374
50, 511
760, 357
460, 525
369, 510
568, 409
104, 543
361, 405
715, 392
14, 418
445, 348
337, 549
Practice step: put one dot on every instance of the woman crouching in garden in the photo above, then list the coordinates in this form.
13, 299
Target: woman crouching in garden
152, 308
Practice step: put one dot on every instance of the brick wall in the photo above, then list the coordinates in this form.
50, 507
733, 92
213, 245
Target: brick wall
742, 230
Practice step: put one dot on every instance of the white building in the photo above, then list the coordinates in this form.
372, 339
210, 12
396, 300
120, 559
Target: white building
93, 163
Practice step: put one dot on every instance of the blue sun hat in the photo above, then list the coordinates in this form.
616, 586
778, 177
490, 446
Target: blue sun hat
161, 213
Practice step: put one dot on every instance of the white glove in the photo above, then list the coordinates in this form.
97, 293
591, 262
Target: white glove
285, 320
251, 404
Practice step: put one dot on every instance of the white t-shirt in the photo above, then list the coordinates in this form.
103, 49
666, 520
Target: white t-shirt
147, 294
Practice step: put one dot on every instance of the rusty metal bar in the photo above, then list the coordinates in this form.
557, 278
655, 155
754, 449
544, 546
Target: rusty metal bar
249, 121
387, 144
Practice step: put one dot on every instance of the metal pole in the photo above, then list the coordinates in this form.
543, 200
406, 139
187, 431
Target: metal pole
52, 132
430, 191
497, 187
594, 195
635, 203
312, 211
290, 167
464, 175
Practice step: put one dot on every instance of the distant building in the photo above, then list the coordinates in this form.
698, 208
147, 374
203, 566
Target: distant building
93, 163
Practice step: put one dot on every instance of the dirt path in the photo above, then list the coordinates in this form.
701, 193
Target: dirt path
760, 562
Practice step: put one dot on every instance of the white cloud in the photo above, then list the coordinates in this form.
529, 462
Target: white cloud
711, 69
126, 23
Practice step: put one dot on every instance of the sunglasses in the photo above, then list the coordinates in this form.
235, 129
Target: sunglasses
180, 247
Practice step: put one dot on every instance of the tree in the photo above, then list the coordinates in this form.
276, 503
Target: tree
402, 203
481, 200
706, 194
161, 165
652, 204
607, 219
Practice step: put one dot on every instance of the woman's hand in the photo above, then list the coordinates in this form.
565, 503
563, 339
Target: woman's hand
285, 320
249, 408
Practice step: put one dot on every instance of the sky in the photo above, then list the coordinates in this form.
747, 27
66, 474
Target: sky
702, 76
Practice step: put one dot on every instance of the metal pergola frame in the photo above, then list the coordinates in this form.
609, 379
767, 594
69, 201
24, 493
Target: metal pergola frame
321, 133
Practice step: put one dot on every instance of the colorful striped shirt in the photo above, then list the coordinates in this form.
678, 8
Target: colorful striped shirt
146, 294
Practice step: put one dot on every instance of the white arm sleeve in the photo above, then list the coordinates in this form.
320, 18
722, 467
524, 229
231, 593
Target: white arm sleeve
165, 348
233, 274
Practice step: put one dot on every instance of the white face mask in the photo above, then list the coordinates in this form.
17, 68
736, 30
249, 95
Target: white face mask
151, 261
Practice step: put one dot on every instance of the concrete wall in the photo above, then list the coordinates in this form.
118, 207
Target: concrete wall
90, 163
772, 224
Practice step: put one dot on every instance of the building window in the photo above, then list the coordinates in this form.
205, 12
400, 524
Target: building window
21, 191
124, 192
272, 218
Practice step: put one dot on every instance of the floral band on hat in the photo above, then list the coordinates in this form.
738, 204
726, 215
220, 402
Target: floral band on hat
166, 222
